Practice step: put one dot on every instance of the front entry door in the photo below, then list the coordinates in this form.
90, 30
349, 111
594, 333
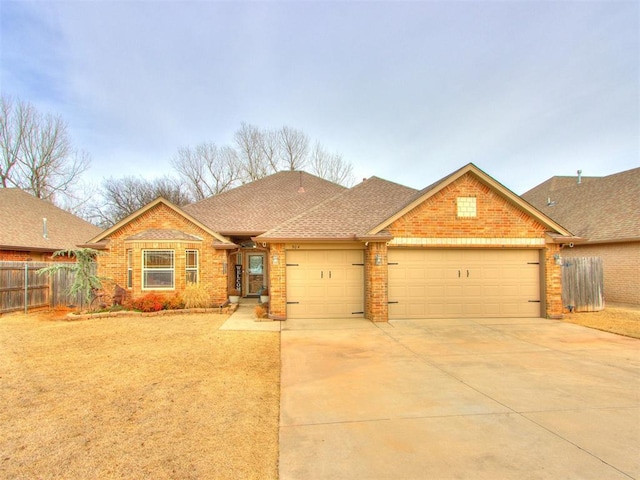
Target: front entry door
255, 273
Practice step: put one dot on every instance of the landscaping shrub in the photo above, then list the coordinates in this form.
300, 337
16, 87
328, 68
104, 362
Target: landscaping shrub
196, 296
151, 302
174, 302
260, 311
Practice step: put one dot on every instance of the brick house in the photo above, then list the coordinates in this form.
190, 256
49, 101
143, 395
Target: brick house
605, 211
464, 246
33, 229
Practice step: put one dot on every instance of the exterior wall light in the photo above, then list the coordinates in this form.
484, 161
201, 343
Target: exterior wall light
378, 259
275, 259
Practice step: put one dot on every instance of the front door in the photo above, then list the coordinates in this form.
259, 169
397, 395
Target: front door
255, 273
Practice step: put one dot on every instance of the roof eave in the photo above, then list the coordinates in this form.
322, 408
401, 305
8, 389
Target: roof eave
148, 207
343, 238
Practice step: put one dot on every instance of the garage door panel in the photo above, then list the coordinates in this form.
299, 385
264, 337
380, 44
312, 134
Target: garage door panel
468, 282
325, 283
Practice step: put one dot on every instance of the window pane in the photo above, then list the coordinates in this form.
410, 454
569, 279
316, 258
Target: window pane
158, 259
157, 269
192, 276
192, 259
158, 279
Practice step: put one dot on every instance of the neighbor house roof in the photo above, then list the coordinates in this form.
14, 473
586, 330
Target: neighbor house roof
22, 224
256, 207
348, 215
601, 209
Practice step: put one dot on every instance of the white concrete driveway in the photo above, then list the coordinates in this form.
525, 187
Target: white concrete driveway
442, 399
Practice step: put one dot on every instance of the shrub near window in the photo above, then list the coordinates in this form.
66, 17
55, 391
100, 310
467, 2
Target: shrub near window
151, 302
196, 296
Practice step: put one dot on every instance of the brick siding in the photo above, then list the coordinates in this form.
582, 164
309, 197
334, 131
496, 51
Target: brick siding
376, 307
113, 264
277, 282
22, 256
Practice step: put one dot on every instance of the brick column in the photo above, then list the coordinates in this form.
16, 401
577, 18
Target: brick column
376, 281
277, 282
553, 282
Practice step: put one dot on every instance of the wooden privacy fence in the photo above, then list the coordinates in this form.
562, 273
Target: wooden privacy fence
22, 288
583, 284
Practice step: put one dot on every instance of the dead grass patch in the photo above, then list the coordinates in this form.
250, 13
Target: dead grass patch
137, 397
620, 320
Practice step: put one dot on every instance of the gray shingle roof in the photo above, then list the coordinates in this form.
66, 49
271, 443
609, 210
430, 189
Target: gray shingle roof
21, 224
351, 213
259, 206
600, 209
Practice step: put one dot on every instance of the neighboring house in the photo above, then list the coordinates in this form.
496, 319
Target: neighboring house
605, 211
32, 229
463, 247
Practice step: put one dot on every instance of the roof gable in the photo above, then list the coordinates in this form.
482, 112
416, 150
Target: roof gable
600, 209
493, 184
346, 216
259, 206
138, 213
22, 224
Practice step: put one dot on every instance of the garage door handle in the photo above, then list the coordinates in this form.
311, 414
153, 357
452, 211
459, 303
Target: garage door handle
458, 273
329, 273
467, 273
321, 274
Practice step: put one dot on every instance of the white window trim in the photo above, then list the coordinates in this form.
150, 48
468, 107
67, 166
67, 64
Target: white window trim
192, 269
129, 268
172, 269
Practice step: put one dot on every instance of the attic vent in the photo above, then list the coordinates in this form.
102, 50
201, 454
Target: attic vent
45, 234
467, 207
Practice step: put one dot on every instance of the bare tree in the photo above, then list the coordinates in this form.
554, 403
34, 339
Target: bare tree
123, 196
37, 153
294, 145
271, 148
331, 166
207, 170
249, 142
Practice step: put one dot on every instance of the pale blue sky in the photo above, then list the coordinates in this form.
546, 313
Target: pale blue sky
407, 91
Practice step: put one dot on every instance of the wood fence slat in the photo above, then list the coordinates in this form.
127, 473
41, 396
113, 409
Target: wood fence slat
583, 284
47, 290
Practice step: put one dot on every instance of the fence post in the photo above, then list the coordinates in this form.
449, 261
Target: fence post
26, 287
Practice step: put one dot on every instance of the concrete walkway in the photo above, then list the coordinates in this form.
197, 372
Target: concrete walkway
441, 399
244, 318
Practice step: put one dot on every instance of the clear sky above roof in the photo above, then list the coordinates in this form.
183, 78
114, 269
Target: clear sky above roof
407, 91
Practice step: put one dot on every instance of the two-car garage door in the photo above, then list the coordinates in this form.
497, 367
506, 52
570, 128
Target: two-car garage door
464, 283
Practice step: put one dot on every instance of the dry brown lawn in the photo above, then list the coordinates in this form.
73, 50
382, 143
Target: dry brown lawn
621, 320
137, 397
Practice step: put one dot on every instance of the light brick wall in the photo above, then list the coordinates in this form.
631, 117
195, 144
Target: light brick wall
113, 264
621, 265
376, 283
438, 217
277, 282
20, 256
